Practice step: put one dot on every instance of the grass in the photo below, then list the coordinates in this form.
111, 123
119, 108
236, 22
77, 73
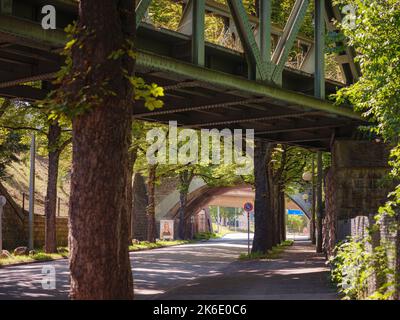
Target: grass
40, 255
145, 245
223, 230
274, 253
206, 236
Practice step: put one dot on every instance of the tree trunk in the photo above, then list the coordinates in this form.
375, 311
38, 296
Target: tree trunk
129, 186
182, 214
262, 241
150, 210
98, 224
50, 209
283, 215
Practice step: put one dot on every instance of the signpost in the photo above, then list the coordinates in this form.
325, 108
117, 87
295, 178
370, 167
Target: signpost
248, 207
2, 204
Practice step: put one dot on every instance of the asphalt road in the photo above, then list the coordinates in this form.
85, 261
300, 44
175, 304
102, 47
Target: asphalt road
155, 271
202, 271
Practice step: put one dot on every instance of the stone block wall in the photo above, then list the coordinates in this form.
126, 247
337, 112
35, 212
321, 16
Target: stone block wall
39, 231
355, 186
139, 204
15, 226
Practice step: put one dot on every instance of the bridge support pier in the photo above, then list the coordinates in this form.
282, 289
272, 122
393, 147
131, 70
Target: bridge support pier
354, 188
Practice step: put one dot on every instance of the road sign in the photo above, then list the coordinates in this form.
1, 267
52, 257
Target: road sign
295, 212
248, 207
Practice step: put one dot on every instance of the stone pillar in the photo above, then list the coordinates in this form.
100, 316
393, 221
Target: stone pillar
354, 186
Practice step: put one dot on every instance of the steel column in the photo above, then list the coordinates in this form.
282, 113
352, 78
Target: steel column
198, 26
264, 33
319, 76
248, 40
141, 9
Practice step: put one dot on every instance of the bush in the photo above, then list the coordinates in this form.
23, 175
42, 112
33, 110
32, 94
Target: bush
353, 266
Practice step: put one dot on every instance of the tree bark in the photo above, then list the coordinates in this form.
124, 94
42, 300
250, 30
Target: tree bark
283, 215
182, 214
98, 224
263, 218
53, 136
150, 210
129, 186
185, 178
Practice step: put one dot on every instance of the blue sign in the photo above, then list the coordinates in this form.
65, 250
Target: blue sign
248, 206
295, 212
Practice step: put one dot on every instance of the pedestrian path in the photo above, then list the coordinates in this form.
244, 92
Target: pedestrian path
298, 274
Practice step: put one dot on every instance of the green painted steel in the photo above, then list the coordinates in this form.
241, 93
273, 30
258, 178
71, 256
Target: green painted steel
27, 31
319, 76
286, 42
239, 14
198, 20
224, 80
264, 33
141, 9
30, 33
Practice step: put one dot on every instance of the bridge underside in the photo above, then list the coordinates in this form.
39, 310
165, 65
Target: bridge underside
217, 96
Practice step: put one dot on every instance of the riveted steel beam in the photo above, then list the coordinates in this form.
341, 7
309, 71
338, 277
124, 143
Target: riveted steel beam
225, 80
265, 18
319, 75
198, 25
141, 9
246, 35
288, 37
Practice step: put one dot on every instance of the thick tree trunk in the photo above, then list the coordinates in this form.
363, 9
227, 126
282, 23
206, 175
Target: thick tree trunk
397, 263
54, 135
129, 186
150, 210
182, 214
283, 215
275, 211
99, 260
263, 219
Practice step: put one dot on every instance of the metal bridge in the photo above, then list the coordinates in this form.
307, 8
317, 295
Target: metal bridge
206, 85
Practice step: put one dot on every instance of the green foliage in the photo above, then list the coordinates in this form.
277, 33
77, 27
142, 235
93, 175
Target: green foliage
375, 39
76, 97
274, 253
296, 223
353, 266
145, 245
10, 145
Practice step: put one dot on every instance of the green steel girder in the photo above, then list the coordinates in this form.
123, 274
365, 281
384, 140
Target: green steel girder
248, 40
198, 8
31, 32
265, 26
27, 32
286, 42
319, 75
187, 70
141, 9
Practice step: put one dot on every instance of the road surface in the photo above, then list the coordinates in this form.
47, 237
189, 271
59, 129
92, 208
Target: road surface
205, 270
